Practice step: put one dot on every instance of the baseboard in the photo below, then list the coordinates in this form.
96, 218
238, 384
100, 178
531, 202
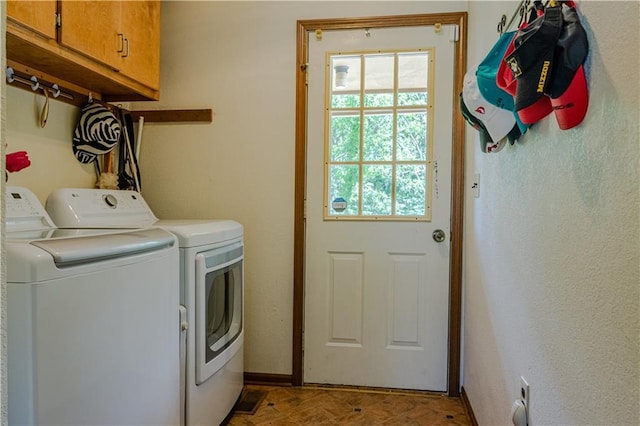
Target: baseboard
268, 379
467, 406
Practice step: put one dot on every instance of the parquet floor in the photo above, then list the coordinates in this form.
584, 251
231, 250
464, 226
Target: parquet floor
288, 406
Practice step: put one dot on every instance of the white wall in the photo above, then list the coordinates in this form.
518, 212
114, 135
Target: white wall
239, 59
552, 245
53, 164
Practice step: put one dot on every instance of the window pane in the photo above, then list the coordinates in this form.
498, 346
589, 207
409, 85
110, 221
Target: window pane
378, 72
376, 190
345, 74
412, 136
413, 98
378, 80
412, 71
412, 78
345, 100
343, 182
378, 137
345, 138
411, 190
378, 99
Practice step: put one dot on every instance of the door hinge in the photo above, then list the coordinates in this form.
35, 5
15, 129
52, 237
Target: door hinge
455, 33
58, 20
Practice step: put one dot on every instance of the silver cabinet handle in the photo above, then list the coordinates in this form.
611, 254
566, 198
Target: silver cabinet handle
438, 235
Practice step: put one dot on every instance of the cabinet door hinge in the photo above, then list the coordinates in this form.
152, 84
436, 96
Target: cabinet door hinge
58, 20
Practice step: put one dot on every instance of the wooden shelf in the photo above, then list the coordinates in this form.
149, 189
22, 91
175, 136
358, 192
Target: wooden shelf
175, 116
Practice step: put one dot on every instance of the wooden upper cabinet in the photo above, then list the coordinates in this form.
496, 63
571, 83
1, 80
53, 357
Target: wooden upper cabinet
124, 35
140, 24
91, 28
108, 47
38, 16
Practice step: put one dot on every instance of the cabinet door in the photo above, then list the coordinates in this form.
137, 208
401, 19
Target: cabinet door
92, 28
39, 16
140, 22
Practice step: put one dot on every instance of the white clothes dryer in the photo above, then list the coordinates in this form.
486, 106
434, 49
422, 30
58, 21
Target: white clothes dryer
212, 292
92, 321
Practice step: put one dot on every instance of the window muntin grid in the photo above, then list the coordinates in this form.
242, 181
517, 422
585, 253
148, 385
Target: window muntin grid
379, 137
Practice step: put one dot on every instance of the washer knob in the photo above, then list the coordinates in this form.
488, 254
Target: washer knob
111, 200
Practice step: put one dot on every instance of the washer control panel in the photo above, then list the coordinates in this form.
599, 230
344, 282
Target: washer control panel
98, 208
24, 211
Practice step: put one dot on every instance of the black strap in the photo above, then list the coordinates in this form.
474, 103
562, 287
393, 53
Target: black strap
125, 180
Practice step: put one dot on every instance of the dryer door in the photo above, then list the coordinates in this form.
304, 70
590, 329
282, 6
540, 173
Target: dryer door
219, 284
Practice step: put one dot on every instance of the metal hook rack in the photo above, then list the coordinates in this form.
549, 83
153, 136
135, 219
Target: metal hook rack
520, 11
35, 84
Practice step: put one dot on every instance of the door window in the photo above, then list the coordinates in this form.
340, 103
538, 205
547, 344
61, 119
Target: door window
378, 145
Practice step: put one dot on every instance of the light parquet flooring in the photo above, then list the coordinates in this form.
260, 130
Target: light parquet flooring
288, 406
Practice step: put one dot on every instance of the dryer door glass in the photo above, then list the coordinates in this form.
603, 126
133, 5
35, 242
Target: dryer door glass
223, 308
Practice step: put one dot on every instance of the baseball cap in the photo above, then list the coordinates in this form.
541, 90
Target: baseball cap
97, 132
532, 63
497, 121
486, 76
485, 139
504, 80
486, 144
568, 86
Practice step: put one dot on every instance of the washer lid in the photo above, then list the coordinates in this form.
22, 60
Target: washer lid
74, 251
46, 259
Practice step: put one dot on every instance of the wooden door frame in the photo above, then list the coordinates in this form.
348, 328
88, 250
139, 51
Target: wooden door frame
304, 27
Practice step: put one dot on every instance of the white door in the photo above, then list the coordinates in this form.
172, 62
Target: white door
376, 281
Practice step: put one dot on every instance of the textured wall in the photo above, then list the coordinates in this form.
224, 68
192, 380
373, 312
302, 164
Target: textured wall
552, 246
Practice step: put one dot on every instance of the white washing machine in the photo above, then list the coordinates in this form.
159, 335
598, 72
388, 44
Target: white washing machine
92, 322
212, 292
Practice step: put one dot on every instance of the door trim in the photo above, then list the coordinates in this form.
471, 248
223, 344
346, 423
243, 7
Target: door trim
304, 27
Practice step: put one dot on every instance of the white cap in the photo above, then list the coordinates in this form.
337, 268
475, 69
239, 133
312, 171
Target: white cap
497, 121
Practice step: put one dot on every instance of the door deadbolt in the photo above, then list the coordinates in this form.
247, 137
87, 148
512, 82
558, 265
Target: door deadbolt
438, 235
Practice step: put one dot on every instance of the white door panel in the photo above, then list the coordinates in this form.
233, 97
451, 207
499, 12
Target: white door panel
377, 292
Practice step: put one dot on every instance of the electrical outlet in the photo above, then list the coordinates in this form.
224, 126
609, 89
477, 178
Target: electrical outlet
524, 392
520, 407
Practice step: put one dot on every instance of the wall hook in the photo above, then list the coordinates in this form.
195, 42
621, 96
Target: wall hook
56, 90
10, 78
35, 86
